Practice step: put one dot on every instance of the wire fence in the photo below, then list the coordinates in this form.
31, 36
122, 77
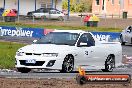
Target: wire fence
22, 18
112, 21
31, 19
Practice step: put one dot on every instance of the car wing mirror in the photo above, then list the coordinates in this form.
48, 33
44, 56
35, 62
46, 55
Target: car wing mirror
34, 41
128, 31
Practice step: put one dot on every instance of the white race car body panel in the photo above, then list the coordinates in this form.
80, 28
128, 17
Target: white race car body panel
92, 57
42, 48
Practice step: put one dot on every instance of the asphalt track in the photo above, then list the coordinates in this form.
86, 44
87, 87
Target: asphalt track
59, 75
127, 50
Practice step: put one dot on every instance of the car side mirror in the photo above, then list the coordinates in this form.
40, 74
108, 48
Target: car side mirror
34, 41
128, 31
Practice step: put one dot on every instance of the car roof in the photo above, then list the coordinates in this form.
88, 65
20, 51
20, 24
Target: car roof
70, 31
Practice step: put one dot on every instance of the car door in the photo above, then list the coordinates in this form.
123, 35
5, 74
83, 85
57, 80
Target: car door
83, 51
97, 52
91, 55
54, 14
128, 34
99, 56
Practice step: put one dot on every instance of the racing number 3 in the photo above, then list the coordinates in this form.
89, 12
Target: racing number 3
86, 52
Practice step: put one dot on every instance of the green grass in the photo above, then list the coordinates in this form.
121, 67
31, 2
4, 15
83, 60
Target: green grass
7, 54
61, 27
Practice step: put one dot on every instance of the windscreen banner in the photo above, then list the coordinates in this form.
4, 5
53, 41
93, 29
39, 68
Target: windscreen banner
21, 32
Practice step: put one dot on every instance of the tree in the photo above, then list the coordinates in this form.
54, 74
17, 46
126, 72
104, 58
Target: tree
56, 1
78, 5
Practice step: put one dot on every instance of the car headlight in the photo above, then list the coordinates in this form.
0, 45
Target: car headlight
50, 54
19, 53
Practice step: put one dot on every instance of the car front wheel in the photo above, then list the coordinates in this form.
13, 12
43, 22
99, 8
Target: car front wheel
68, 64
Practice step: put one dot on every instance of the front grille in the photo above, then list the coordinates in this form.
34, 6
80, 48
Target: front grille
37, 54
38, 63
33, 54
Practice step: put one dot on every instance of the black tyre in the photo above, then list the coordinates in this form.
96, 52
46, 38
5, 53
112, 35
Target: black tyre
121, 40
81, 80
24, 70
60, 18
109, 64
68, 64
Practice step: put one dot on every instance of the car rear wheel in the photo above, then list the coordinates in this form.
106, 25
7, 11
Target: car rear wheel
121, 40
60, 18
68, 64
109, 64
24, 70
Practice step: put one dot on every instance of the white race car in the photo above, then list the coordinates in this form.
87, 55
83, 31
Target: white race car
65, 50
126, 35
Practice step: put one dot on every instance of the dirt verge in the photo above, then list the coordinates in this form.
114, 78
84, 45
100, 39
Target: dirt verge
53, 83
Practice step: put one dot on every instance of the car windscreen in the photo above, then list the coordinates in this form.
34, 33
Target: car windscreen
39, 10
59, 38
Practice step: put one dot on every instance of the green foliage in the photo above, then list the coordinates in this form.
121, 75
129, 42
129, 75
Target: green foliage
64, 5
7, 54
78, 5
